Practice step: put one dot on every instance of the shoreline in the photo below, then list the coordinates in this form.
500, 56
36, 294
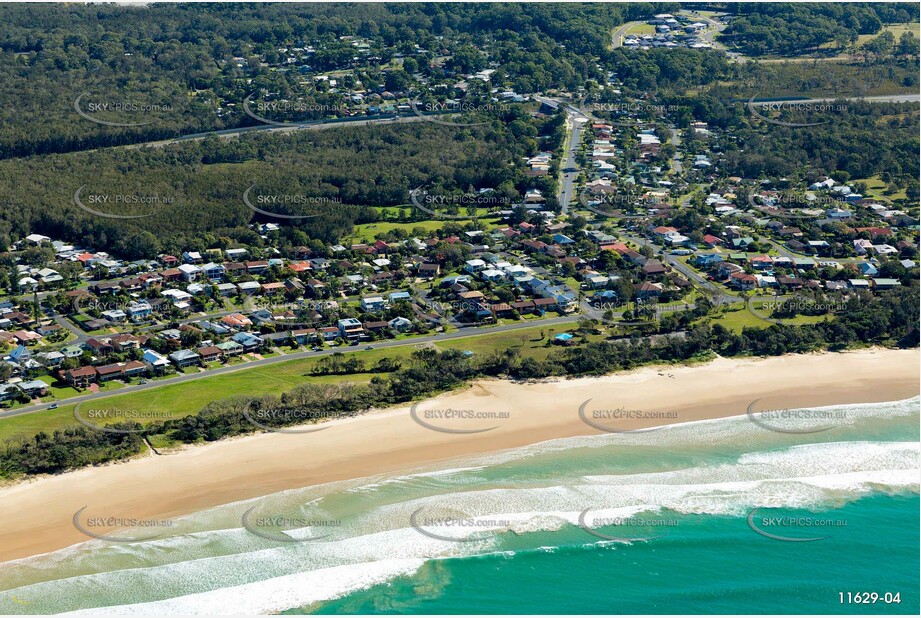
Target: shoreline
39, 512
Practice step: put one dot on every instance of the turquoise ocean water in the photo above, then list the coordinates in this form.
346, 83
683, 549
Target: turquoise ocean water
652, 522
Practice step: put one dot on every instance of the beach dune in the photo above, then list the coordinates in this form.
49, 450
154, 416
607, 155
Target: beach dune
488, 416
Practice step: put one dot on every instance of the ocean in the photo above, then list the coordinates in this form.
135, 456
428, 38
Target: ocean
711, 517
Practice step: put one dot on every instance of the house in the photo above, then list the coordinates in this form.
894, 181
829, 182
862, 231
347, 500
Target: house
72, 351
7, 391
273, 288
373, 304
184, 358
99, 347
33, 388
304, 335
743, 281
647, 290
109, 372
428, 271
474, 266
330, 333
125, 341
653, 267
236, 321
257, 267
350, 328
138, 311
227, 289
134, 368
492, 274
209, 354
713, 241
375, 326
114, 315
249, 341
51, 359
885, 283
400, 324
230, 348
249, 288
189, 272
396, 297
80, 377
20, 354
214, 272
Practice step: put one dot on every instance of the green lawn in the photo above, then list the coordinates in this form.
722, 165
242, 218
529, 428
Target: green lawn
367, 231
896, 29
737, 317
876, 188
177, 400
641, 29
528, 341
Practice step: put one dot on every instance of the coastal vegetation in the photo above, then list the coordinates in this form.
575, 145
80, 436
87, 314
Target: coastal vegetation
890, 319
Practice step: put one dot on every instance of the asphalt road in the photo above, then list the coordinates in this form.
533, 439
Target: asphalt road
567, 183
550, 322
324, 124
891, 98
618, 36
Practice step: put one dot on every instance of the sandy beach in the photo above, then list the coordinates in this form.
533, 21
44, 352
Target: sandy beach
37, 514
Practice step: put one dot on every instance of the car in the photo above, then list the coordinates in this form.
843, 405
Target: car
53, 406
370, 347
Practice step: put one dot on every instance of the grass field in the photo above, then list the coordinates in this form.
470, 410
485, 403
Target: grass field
366, 232
177, 400
737, 317
896, 29
876, 188
641, 29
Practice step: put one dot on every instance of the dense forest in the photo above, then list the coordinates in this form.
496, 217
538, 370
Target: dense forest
888, 319
189, 68
171, 69
795, 28
201, 184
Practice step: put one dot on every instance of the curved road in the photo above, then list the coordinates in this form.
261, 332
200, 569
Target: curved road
568, 319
